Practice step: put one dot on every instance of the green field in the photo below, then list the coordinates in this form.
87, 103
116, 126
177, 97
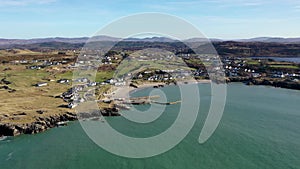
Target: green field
285, 66
134, 66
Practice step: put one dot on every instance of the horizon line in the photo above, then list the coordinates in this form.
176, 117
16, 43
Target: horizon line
74, 37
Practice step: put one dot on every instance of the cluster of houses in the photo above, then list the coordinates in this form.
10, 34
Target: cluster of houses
235, 67
78, 93
38, 64
163, 75
107, 60
153, 57
46, 63
116, 82
280, 74
61, 81
72, 96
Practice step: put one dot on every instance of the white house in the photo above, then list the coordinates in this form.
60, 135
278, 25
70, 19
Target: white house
41, 84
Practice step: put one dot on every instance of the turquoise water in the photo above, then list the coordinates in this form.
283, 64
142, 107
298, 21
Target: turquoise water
260, 128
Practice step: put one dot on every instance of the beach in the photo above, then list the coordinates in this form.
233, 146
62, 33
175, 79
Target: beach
124, 91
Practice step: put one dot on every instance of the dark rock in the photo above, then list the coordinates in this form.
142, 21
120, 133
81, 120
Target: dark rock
20, 114
133, 85
6, 69
4, 81
98, 113
41, 124
41, 111
12, 91
4, 87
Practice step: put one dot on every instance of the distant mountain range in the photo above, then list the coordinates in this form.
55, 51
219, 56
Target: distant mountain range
271, 39
4, 42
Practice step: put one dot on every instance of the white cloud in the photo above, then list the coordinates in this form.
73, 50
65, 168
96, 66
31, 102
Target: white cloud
24, 2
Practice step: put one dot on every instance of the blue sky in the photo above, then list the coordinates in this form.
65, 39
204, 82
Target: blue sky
226, 19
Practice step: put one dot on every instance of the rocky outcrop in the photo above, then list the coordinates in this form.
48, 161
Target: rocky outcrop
267, 82
4, 81
97, 113
275, 83
41, 124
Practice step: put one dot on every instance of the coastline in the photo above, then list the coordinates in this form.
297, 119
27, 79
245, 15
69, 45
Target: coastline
121, 92
39, 125
124, 91
267, 82
42, 124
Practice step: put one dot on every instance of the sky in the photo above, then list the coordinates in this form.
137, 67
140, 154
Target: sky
224, 19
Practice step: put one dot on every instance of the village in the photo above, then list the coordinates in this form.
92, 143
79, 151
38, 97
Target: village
56, 84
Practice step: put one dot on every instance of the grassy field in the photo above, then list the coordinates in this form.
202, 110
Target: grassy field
22, 106
103, 76
274, 64
15, 52
27, 98
285, 66
253, 62
135, 65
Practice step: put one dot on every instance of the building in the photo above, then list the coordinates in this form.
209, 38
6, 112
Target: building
41, 84
63, 81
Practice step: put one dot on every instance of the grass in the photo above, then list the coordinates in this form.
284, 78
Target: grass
285, 66
65, 75
103, 89
16, 52
28, 98
134, 66
253, 62
104, 75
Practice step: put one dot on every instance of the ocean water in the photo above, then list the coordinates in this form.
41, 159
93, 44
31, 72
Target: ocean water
260, 128
281, 59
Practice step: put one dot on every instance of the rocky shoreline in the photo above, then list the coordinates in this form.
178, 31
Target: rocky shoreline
267, 82
39, 125
44, 123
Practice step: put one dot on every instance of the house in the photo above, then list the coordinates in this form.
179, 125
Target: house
34, 67
111, 81
63, 81
72, 105
82, 80
41, 84
278, 75
92, 84
120, 83
256, 75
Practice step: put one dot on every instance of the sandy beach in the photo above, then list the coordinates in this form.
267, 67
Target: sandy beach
124, 91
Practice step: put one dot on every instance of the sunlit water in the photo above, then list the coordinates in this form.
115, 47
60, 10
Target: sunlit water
260, 128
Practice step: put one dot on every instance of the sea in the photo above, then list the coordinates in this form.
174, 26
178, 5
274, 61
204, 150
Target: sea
259, 129
280, 59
